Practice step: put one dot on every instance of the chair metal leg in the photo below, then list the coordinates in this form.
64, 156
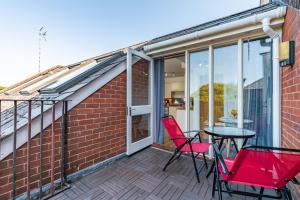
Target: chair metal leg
227, 188
213, 186
220, 190
179, 155
195, 166
261, 192
170, 160
210, 170
287, 193
205, 160
253, 188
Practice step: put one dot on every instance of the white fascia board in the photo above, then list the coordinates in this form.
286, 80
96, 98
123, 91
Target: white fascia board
248, 21
214, 39
6, 147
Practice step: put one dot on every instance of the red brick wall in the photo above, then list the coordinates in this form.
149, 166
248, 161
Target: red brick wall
97, 131
290, 112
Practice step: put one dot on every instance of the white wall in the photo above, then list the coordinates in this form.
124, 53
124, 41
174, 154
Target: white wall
173, 84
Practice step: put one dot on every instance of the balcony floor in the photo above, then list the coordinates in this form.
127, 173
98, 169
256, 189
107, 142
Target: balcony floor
141, 177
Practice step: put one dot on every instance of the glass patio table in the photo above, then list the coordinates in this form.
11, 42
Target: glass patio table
222, 133
233, 121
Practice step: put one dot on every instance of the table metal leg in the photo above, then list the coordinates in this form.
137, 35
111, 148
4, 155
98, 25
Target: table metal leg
213, 164
245, 142
235, 145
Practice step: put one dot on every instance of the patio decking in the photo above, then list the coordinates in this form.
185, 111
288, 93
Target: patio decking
141, 177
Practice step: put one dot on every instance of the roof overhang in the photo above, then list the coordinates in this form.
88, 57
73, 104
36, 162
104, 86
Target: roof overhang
243, 28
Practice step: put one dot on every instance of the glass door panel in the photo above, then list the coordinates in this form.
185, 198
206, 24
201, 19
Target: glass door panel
225, 85
174, 93
140, 127
199, 103
257, 90
141, 86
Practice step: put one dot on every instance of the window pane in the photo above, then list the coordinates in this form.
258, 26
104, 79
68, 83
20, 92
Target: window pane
174, 89
199, 91
258, 90
225, 85
140, 81
140, 127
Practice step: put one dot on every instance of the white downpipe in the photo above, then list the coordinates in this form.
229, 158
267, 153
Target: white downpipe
187, 91
240, 117
276, 80
266, 25
211, 121
254, 19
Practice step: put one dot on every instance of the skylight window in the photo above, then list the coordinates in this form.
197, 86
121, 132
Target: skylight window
74, 77
42, 83
68, 77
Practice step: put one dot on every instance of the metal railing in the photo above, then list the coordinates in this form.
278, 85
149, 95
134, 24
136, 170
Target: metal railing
63, 160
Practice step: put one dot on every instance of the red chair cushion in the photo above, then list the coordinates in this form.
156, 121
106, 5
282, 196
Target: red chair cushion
261, 168
197, 147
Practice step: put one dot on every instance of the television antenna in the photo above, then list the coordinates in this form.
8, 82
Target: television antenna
42, 35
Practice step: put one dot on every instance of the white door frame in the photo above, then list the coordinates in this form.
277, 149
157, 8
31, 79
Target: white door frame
141, 109
276, 91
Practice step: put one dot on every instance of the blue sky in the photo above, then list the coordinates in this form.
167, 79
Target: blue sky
81, 29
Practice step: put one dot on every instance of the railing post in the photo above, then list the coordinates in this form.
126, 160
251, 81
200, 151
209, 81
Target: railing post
41, 150
28, 149
64, 131
13, 114
14, 151
52, 149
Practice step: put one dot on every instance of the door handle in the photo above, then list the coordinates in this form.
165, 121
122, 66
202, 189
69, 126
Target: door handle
130, 111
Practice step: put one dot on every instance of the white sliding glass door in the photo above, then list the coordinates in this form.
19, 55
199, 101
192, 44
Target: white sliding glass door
224, 85
199, 92
232, 85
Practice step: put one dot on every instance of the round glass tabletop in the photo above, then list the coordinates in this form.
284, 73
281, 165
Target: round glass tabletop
230, 120
229, 132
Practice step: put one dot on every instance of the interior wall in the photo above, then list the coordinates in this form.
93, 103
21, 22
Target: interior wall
173, 84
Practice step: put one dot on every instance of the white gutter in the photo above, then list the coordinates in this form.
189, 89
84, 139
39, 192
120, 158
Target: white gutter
254, 19
276, 80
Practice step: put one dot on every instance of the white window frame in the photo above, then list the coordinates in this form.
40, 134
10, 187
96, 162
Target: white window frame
276, 89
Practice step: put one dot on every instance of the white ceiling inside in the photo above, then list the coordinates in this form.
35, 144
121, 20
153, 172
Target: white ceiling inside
174, 67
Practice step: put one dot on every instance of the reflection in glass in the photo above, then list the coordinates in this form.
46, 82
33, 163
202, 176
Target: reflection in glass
225, 85
140, 81
199, 91
257, 89
140, 127
174, 92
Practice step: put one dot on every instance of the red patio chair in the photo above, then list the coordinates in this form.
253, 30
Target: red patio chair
264, 167
184, 144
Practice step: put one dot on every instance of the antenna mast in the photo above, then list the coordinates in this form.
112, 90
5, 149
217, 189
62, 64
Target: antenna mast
42, 34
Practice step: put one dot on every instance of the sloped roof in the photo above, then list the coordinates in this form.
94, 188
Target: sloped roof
14, 92
223, 20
